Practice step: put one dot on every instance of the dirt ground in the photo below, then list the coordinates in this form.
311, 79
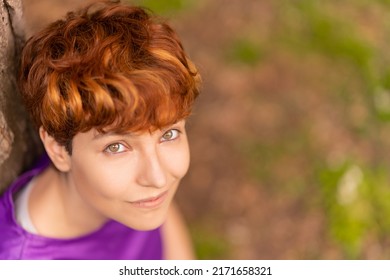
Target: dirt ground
254, 135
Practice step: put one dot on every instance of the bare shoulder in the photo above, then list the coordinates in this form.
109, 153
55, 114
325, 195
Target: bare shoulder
177, 243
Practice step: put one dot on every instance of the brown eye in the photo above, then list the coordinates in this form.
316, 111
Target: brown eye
170, 135
115, 148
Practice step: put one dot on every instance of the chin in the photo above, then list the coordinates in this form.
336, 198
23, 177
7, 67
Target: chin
145, 224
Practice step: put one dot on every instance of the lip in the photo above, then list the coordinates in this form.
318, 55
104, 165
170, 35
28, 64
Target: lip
151, 202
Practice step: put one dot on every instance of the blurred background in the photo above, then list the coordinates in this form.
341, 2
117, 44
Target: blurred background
290, 137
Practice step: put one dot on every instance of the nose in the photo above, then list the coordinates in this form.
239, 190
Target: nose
151, 171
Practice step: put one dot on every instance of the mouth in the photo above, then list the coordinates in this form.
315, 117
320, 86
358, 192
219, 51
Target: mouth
151, 202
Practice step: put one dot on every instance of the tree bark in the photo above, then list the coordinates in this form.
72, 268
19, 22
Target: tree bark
19, 144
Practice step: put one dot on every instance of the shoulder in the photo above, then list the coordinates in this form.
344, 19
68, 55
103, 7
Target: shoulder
175, 237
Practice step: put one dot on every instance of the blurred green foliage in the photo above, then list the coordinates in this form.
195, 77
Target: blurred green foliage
208, 244
330, 35
166, 7
356, 200
244, 51
355, 194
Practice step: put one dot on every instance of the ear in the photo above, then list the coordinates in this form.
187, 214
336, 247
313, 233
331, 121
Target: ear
57, 153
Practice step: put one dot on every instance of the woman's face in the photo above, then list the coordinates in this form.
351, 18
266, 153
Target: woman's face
130, 178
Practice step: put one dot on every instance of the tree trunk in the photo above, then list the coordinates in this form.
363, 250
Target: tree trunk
19, 144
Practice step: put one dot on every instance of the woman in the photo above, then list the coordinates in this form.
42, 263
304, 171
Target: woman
109, 89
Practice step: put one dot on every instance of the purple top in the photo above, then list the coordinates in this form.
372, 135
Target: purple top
112, 241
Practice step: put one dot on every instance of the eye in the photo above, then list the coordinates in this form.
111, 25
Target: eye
170, 135
115, 148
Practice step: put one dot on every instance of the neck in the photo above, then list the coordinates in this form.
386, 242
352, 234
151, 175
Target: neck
57, 211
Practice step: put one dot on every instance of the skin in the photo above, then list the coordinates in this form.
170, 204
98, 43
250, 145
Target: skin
109, 177
176, 239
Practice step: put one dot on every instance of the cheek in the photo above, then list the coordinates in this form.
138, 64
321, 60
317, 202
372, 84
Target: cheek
95, 175
178, 161
100, 178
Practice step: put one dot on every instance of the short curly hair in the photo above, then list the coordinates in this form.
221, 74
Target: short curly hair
109, 66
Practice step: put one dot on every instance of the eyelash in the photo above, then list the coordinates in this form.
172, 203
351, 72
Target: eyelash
122, 147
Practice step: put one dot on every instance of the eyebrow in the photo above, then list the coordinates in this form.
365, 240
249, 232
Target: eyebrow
100, 135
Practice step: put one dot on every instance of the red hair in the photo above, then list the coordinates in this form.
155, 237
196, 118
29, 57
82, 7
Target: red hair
108, 65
